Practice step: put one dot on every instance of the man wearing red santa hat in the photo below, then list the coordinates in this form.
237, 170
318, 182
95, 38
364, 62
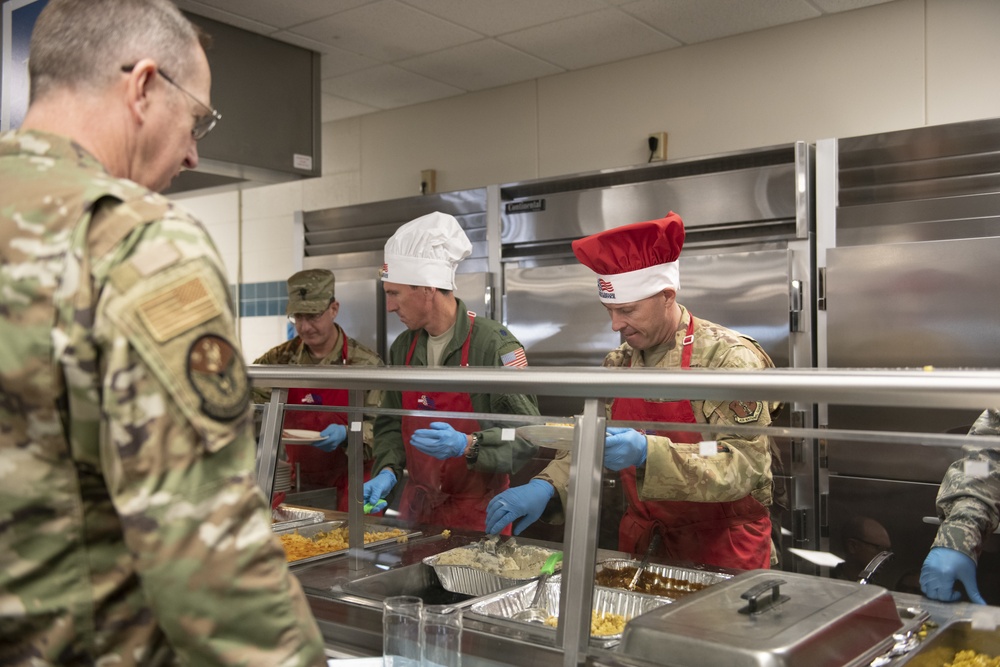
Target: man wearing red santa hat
709, 509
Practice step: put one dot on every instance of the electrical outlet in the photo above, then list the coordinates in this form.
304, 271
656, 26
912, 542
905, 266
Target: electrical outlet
428, 181
660, 152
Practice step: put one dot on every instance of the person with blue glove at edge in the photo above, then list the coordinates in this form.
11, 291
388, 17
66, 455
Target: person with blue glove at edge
455, 465
968, 504
312, 308
708, 509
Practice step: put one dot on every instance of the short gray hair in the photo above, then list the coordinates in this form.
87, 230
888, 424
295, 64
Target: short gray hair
83, 44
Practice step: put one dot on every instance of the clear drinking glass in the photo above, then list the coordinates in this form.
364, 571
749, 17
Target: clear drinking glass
442, 635
401, 631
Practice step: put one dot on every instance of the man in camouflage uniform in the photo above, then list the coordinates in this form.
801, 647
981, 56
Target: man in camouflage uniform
320, 341
455, 465
968, 504
131, 530
707, 509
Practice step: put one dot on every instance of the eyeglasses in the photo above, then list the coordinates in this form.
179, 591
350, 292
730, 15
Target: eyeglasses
302, 318
202, 124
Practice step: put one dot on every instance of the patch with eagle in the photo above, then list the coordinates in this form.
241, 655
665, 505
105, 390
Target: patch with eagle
745, 412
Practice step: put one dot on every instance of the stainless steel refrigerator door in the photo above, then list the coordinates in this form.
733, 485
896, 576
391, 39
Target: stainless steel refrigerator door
909, 305
744, 291
555, 313
359, 307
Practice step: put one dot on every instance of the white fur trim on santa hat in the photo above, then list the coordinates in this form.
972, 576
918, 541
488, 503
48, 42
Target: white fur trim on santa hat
638, 285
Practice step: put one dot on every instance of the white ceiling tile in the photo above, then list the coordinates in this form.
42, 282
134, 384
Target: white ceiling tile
387, 30
693, 21
337, 108
337, 62
492, 18
479, 65
236, 20
283, 14
387, 87
592, 39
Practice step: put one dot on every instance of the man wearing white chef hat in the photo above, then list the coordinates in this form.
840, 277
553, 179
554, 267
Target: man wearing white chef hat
455, 465
709, 508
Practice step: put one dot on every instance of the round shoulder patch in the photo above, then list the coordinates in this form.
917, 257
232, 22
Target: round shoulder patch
219, 377
745, 412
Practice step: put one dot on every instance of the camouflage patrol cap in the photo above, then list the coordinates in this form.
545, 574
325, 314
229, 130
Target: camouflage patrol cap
309, 291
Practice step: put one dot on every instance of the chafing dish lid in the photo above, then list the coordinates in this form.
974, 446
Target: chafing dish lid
752, 619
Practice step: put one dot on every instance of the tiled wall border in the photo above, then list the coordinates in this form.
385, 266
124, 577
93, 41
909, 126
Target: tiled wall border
262, 299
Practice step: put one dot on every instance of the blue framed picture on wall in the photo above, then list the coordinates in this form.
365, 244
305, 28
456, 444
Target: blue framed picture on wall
19, 18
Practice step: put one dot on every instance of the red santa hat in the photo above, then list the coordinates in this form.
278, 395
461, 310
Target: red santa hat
634, 261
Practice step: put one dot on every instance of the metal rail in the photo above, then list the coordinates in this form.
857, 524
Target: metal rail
906, 387
902, 388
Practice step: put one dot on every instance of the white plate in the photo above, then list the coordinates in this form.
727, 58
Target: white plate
300, 436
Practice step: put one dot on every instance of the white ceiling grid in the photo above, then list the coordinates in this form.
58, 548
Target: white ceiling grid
385, 54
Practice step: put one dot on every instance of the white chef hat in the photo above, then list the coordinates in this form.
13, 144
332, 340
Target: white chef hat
426, 251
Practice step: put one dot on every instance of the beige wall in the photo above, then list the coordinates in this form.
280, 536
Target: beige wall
892, 66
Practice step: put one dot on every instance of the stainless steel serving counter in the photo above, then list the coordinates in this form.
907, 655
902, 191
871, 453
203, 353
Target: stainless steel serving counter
347, 605
349, 612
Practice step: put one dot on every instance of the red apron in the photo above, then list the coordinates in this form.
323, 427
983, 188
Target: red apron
733, 534
319, 469
445, 493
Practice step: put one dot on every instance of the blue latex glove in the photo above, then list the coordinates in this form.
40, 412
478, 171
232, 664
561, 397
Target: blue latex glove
378, 487
333, 435
525, 502
942, 568
440, 441
624, 448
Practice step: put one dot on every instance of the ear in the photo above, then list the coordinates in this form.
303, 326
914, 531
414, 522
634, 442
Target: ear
669, 296
334, 309
138, 88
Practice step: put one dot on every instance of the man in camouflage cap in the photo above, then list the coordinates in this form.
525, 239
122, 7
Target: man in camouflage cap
968, 504
131, 529
707, 508
320, 341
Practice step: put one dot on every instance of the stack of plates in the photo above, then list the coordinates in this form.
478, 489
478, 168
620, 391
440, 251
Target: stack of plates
282, 476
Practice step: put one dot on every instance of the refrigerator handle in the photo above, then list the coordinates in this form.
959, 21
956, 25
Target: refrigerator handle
795, 307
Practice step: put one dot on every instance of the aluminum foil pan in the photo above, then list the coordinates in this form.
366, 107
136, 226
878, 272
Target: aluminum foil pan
679, 578
326, 526
468, 580
606, 600
286, 516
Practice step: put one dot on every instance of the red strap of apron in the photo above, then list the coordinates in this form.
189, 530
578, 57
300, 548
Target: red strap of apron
687, 345
465, 345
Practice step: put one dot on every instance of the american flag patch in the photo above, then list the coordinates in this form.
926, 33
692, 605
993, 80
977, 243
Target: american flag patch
515, 358
605, 289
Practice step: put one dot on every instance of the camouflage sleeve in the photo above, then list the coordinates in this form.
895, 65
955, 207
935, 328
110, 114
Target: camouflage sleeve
676, 471
556, 473
969, 507
388, 450
359, 355
179, 458
270, 358
496, 454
